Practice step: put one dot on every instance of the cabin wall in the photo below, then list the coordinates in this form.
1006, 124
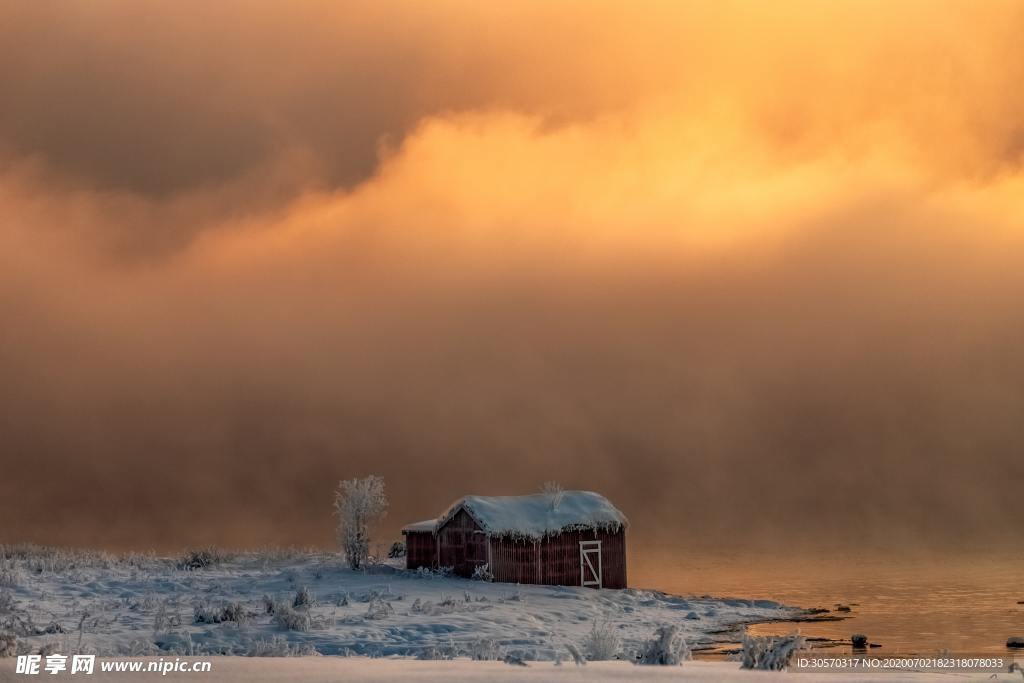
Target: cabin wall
514, 560
560, 558
462, 544
555, 560
420, 550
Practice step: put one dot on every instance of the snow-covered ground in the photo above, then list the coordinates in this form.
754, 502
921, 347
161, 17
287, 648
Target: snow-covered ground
392, 624
363, 670
143, 605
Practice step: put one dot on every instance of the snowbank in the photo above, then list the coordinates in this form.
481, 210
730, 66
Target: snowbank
255, 604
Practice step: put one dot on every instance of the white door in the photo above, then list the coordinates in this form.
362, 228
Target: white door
590, 563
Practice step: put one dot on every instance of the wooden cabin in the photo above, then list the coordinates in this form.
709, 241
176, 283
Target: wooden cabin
576, 538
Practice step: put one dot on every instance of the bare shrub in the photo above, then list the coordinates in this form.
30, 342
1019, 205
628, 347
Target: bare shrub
602, 643
771, 653
668, 648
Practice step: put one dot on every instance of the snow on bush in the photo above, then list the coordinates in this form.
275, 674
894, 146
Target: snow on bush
439, 652
602, 643
288, 618
668, 648
447, 605
9, 577
358, 504
42, 559
8, 644
201, 558
236, 613
482, 572
770, 653
204, 613
304, 598
278, 646
484, 650
162, 620
379, 609
577, 656
428, 573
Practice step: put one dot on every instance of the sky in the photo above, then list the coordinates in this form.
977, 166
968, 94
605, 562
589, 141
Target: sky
751, 270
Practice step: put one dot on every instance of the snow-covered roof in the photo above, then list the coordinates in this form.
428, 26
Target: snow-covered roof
536, 516
425, 525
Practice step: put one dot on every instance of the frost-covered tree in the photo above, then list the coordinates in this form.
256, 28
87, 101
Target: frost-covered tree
359, 503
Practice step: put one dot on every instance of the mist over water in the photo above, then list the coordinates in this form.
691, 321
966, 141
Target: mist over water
908, 603
750, 272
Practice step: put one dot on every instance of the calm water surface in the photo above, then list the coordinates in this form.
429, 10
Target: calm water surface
907, 605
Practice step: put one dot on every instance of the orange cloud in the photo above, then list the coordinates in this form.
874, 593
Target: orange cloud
720, 249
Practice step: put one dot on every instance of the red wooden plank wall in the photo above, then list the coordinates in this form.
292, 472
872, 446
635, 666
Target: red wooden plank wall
420, 549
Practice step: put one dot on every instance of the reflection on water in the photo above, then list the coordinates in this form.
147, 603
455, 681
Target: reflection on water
909, 606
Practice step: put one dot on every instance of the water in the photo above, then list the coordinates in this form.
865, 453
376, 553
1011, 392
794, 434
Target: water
964, 604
